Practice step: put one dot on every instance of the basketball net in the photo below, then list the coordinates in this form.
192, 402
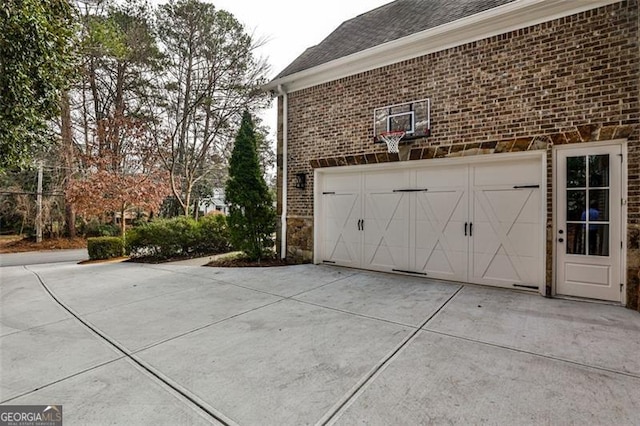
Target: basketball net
392, 140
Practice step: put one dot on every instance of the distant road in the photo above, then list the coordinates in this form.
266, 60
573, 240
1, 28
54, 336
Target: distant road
39, 257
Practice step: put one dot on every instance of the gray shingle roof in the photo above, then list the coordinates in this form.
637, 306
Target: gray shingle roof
386, 23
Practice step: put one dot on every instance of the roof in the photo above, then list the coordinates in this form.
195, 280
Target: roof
392, 21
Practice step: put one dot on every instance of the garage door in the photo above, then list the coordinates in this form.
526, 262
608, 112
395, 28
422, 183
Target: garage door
479, 223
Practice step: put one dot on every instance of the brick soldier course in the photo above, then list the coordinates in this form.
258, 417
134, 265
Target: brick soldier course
572, 80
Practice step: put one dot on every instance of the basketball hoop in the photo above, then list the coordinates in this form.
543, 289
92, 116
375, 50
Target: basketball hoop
392, 139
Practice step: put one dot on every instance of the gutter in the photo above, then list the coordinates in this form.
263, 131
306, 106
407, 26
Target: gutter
283, 219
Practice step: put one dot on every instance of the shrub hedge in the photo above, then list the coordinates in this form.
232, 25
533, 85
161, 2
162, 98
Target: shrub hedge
94, 228
104, 247
180, 236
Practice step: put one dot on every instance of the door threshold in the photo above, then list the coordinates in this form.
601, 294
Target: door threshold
588, 300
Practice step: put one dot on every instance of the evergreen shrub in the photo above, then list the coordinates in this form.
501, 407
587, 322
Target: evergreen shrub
104, 247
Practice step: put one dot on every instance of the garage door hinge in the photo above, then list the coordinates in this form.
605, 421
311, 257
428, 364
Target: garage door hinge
533, 287
411, 190
621, 287
409, 272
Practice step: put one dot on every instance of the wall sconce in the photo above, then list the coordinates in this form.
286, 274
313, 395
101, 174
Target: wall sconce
301, 180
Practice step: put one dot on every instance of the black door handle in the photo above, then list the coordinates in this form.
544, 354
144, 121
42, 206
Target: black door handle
362, 224
465, 228
471, 229
359, 221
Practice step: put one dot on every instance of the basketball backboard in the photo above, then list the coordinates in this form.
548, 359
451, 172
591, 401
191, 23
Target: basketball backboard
411, 117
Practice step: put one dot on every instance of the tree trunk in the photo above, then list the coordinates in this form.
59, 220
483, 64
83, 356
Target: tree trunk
123, 223
67, 148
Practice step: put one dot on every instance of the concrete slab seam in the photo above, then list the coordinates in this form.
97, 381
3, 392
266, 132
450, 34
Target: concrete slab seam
86, 370
181, 391
33, 328
354, 313
217, 281
194, 330
512, 349
137, 301
168, 293
253, 289
321, 286
339, 408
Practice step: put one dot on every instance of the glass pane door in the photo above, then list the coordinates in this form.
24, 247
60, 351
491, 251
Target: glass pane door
587, 205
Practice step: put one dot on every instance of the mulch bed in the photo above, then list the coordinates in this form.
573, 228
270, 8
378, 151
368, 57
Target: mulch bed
16, 245
154, 260
245, 263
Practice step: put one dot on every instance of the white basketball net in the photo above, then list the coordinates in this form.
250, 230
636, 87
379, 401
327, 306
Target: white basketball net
391, 139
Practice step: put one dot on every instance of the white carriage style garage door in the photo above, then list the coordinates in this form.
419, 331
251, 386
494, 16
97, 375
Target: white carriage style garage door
471, 222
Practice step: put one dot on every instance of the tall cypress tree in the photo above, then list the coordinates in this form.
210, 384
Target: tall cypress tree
252, 218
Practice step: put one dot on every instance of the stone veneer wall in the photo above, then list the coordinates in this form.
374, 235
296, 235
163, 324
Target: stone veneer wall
571, 80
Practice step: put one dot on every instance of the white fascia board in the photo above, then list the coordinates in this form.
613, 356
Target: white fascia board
500, 20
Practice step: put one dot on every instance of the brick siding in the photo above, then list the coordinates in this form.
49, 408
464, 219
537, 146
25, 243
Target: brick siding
571, 80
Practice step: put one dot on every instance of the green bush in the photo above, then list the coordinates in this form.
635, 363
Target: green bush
94, 228
213, 235
104, 247
180, 236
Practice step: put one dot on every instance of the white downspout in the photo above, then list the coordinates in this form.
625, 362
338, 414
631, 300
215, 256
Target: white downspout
283, 219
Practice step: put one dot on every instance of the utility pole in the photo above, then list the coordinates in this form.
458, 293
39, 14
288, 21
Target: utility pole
39, 203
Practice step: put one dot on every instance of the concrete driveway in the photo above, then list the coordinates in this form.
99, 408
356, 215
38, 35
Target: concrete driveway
169, 344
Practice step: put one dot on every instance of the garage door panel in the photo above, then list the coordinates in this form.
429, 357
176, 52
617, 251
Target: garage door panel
442, 264
386, 181
423, 229
384, 257
386, 230
438, 177
341, 240
497, 267
508, 206
440, 244
345, 183
516, 173
521, 242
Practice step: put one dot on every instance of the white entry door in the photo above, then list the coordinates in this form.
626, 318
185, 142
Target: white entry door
588, 239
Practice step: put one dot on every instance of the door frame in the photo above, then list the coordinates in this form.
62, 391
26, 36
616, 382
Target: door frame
541, 155
622, 143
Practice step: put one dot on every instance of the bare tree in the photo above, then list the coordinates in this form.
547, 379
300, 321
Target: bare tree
211, 76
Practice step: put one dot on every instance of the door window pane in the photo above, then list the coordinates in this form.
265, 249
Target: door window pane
587, 208
598, 171
599, 205
599, 240
576, 204
575, 238
576, 172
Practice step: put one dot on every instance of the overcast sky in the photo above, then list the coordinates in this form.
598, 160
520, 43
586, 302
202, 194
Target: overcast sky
291, 26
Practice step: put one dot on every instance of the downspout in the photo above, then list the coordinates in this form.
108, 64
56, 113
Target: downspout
283, 219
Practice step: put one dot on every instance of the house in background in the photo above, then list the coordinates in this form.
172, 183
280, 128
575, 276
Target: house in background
214, 203
519, 165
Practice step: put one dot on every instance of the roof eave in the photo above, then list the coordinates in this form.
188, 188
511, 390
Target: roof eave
500, 20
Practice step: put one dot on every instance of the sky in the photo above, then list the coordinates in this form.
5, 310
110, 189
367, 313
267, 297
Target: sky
289, 27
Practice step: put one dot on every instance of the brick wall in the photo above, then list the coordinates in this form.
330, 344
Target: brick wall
571, 80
